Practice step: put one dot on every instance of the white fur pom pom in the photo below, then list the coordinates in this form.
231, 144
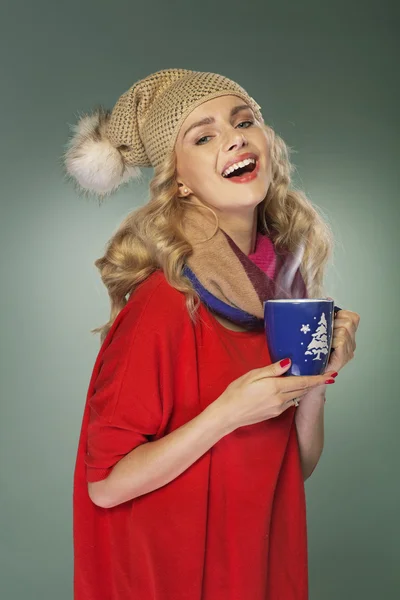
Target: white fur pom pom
92, 161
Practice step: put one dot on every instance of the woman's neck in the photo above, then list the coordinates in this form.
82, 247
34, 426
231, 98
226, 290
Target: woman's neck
244, 235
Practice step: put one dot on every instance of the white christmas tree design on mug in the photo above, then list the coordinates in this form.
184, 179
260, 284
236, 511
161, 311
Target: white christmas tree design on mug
319, 342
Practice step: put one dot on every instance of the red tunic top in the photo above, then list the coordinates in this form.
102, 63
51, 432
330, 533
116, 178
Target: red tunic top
230, 527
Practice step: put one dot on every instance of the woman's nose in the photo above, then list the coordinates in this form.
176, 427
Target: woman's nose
235, 140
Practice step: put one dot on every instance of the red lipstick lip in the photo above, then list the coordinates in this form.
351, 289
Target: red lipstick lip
246, 177
239, 158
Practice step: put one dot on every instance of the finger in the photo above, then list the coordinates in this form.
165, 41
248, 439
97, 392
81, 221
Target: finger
337, 342
342, 341
301, 392
287, 403
342, 329
342, 348
345, 323
294, 393
298, 383
274, 370
341, 334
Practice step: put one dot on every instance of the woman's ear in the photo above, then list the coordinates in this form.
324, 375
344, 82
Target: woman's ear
184, 191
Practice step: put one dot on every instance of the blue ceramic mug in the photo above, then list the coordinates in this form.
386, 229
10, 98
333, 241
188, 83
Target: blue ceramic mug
300, 329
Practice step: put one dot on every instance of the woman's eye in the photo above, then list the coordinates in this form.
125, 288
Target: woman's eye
207, 136
250, 122
202, 138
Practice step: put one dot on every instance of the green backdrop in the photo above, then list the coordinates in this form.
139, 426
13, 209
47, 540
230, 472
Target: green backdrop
326, 76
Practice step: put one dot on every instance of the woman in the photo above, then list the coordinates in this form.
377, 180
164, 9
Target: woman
189, 478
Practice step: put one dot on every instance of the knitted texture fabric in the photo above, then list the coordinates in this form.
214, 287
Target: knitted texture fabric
147, 118
108, 147
231, 283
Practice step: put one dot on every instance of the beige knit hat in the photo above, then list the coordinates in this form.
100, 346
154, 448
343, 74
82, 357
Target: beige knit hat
108, 147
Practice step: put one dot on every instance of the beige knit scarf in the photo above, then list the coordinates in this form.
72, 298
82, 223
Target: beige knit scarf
231, 283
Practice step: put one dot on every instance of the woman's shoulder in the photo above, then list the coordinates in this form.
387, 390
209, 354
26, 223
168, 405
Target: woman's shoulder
155, 302
155, 289
155, 310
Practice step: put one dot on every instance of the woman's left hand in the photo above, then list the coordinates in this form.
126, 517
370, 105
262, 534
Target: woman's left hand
345, 325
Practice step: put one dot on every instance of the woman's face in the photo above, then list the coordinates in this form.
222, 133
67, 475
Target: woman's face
204, 151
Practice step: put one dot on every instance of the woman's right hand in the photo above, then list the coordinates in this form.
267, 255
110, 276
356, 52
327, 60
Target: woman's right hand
263, 394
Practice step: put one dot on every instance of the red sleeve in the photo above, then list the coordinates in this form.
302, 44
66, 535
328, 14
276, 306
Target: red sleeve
126, 407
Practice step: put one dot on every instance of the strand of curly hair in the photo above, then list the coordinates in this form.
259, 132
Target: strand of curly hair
152, 237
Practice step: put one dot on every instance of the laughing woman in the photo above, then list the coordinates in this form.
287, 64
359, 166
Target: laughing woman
193, 451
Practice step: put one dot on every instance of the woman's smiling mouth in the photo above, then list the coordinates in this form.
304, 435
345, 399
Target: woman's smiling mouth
242, 171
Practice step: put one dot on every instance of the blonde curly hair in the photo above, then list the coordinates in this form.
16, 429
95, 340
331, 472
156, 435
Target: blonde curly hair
152, 238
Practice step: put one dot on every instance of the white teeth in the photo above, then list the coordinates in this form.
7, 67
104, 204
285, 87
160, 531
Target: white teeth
238, 165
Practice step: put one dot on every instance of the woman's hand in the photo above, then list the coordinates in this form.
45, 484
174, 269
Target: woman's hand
263, 394
345, 325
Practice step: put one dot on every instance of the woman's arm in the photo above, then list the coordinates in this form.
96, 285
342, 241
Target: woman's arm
154, 464
310, 413
309, 419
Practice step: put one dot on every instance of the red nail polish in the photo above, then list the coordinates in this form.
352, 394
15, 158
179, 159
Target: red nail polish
334, 374
330, 381
284, 362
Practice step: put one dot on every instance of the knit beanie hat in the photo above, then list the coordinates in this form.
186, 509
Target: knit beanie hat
107, 148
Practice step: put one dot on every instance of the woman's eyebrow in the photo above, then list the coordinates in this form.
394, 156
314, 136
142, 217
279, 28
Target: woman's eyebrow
208, 120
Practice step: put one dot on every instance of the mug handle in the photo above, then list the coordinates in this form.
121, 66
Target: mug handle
335, 312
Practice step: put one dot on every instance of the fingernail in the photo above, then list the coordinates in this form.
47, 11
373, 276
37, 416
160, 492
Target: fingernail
334, 374
284, 362
330, 381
